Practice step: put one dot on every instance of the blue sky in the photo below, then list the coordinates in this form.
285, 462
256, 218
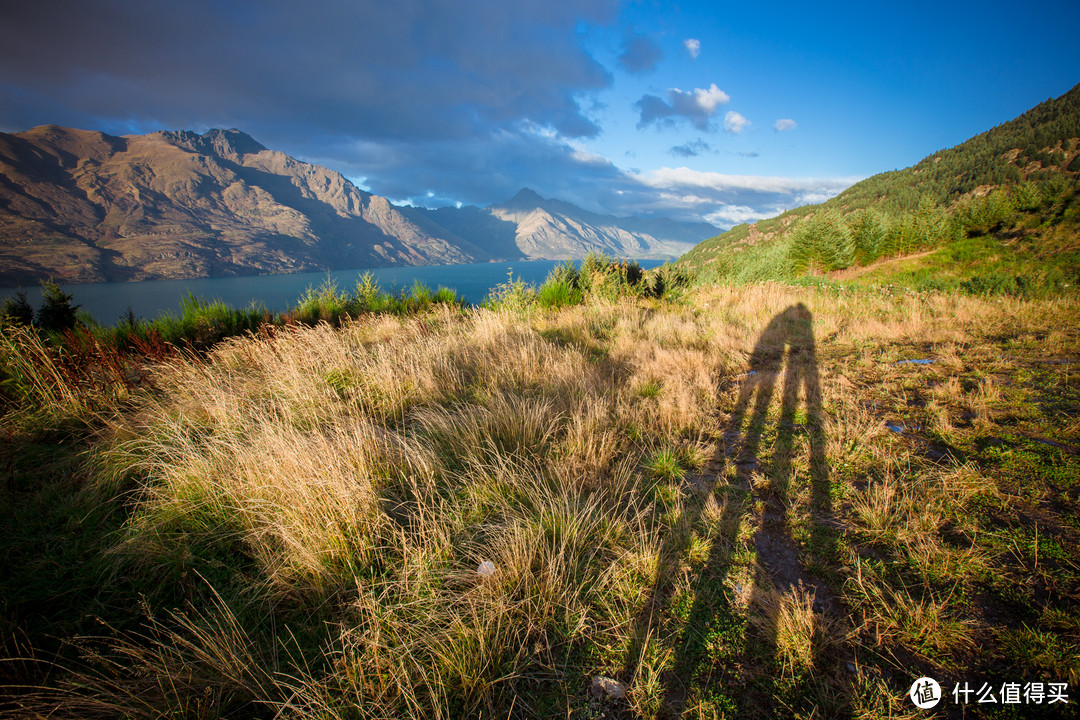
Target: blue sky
725, 112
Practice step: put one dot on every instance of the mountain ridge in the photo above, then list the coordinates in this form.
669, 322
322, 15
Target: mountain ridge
554, 229
83, 206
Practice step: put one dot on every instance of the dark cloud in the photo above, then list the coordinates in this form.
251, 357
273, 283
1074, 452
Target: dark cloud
426, 101
433, 69
698, 106
691, 149
640, 54
479, 171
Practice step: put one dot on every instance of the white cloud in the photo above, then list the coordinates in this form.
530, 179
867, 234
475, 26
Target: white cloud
697, 106
734, 122
684, 177
735, 214
725, 200
571, 171
785, 124
586, 157
707, 100
693, 46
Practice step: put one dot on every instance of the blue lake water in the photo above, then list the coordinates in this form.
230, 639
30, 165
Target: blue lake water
107, 302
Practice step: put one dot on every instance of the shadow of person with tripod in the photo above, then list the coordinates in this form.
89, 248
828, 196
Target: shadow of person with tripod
759, 473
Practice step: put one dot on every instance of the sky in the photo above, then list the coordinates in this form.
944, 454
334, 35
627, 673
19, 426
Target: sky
705, 111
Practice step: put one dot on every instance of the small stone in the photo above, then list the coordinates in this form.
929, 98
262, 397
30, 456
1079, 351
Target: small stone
851, 667
486, 569
605, 687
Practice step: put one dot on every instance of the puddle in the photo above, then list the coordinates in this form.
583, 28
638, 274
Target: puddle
898, 428
919, 361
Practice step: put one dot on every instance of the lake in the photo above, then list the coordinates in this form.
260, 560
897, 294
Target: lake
107, 302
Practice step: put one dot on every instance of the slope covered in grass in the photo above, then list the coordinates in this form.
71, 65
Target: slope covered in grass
739, 505
1013, 188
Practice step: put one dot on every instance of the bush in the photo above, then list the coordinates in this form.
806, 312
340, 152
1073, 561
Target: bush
565, 272
557, 294
995, 283
512, 294
202, 323
323, 304
1027, 196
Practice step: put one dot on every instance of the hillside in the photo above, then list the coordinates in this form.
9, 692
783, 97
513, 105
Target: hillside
1001, 209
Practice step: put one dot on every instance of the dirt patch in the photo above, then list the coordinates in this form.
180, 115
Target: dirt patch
857, 271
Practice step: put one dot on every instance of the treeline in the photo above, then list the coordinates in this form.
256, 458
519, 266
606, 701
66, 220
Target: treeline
833, 240
201, 323
1037, 146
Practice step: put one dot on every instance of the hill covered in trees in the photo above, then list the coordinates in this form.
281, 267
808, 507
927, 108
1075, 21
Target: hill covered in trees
1000, 211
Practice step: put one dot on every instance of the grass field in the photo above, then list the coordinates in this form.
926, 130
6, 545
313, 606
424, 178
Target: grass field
743, 503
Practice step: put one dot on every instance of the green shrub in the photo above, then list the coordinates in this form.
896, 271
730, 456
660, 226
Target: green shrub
565, 272
823, 241
557, 294
202, 323
323, 304
512, 294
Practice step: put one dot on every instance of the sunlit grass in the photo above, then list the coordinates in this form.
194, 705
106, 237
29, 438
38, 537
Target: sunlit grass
293, 522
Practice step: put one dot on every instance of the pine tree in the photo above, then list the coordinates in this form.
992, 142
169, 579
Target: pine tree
56, 312
18, 310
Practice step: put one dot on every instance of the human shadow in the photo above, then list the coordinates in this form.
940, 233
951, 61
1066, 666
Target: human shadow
761, 470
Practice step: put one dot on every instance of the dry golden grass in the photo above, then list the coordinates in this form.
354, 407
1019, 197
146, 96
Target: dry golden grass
801, 635
363, 476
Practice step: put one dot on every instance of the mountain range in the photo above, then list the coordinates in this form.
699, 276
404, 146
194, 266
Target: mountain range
84, 206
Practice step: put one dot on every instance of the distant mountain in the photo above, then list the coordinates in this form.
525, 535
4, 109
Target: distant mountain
532, 227
1016, 186
553, 229
83, 206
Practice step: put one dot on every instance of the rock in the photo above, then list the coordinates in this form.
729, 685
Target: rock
605, 687
486, 569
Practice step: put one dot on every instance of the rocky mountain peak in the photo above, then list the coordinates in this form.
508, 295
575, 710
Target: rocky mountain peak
526, 199
231, 144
